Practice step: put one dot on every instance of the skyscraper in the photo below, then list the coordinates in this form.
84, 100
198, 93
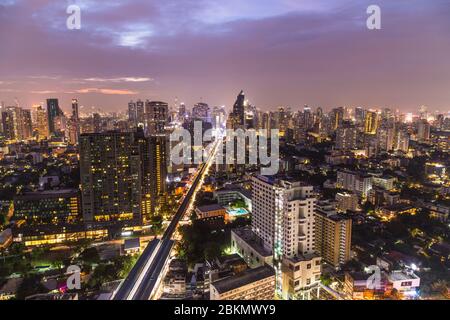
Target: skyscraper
121, 175
110, 177
283, 217
16, 123
423, 130
156, 116
74, 123
53, 111
201, 111
333, 232
238, 114
371, 122
346, 137
136, 113
336, 118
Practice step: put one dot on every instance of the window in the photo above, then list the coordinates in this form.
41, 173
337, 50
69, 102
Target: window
308, 266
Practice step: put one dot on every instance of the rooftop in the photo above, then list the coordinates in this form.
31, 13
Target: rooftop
242, 279
210, 207
252, 240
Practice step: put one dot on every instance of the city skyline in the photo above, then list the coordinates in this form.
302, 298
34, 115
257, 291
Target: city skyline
280, 52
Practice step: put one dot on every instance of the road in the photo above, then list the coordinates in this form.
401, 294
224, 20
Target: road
146, 275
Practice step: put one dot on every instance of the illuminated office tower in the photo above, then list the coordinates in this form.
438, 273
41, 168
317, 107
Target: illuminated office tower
283, 218
153, 157
74, 123
336, 118
423, 130
402, 143
218, 117
360, 115
16, 123
41, 122
385, 138
371, 122
97, 123
308, 118
237, 116
111, 173
182, 113
156, 116
200, 111
122, 175
346, 137
136, 113
7, 125
53, 111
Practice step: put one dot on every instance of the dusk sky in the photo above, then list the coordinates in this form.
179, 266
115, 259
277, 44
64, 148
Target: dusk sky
281, 52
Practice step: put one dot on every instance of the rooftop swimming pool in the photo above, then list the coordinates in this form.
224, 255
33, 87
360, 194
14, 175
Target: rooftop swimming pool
237, 212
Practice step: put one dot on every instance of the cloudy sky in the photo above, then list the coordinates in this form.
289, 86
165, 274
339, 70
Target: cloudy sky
281, 52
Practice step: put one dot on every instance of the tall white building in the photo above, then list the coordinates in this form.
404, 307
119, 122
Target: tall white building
283, 217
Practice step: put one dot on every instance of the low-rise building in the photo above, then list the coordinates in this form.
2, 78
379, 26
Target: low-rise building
132, 246
212, 211
48, 207
252, 284
247, 244
406, 284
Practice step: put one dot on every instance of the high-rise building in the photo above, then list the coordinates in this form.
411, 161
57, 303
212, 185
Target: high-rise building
336, 118
333, 233
154, 171
238, 114
156, 114
360, 115
16, 123
423, 130
371, 122
110, 177
122, 173
74, 123
136, 113
53, 111
385, 138
97, 122
7, 125
402, 143
346, 137
283, 217
201, 111
41, 122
